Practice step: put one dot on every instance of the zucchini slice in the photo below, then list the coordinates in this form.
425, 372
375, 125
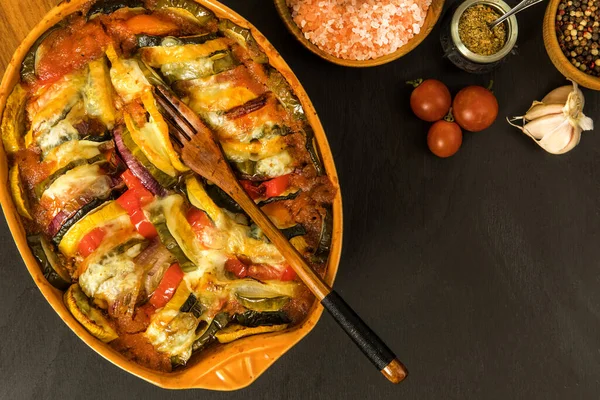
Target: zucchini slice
208, 336
201, 200
13, 121
28, 65
244, 38
97, 93
110, 6
202, 14
192, 305
167, 41
90, 317
262, 303
80, 214
50, 262
160, 55
98, 217
234, 332
162, 178
256, 318
175, 232
41, 187
18, 194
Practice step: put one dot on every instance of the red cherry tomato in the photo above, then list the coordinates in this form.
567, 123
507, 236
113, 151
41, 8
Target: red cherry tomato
431, 100
444, 138
475, 108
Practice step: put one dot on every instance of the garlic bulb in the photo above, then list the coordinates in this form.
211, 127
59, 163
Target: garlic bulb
556, 122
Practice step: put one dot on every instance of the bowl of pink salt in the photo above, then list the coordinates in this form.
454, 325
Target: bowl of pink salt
360, 33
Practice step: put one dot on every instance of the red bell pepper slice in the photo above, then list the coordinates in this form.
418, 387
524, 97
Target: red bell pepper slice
236, 267
133, 200
198, 219
268, 272
276, 186
91, 241
271, 188
254, 191
288, 274
167, 286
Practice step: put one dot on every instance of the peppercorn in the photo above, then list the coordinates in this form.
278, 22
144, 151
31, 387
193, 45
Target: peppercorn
578, 33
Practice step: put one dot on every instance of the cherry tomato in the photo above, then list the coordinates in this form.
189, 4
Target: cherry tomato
475, 108
431, 100
444, 138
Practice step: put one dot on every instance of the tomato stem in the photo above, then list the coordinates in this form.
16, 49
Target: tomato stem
490, 85
449, 117
415, 83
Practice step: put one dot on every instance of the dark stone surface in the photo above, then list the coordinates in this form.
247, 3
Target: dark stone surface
481, 271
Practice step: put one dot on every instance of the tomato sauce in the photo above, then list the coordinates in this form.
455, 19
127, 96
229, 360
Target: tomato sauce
137, 347
70, 49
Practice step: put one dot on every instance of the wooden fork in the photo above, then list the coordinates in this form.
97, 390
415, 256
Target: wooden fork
202, 153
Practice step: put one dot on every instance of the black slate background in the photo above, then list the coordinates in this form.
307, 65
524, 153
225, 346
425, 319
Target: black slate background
481, 271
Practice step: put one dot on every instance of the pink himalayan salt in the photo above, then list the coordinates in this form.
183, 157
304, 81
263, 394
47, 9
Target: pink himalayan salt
359, 29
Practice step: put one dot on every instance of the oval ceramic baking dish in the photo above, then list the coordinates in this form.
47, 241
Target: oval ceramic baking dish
226, 367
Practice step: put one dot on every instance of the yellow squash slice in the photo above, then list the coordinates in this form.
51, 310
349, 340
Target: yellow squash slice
90, 317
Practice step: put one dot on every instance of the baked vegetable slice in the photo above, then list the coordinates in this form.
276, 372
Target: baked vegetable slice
50, 262
90, 317
13, 120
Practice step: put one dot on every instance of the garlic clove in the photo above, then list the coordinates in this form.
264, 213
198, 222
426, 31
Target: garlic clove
575, 138
558, 95
558, 139
543, 126
539, 110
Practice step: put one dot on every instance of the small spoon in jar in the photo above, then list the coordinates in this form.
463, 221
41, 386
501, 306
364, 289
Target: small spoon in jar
518, 8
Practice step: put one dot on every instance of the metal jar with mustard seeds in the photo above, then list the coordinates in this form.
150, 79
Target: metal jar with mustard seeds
466, 43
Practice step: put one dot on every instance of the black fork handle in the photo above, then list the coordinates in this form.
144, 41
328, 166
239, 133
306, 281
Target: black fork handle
371, 345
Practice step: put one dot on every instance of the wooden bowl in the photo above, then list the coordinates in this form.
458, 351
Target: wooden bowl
433, 14
560, 61
227, 367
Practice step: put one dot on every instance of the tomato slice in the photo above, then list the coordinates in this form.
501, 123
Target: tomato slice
254, 191
143, 195
236, 267
91, 241
276, 186
167, 286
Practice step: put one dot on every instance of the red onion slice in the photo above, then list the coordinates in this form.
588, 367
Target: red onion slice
137, 169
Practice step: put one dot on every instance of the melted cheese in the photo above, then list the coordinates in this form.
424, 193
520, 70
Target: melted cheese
277, 165
73, 150
127, 77
254, 151
160, 55
87, 177
112, 277
56, 101
209, 94
97, 93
